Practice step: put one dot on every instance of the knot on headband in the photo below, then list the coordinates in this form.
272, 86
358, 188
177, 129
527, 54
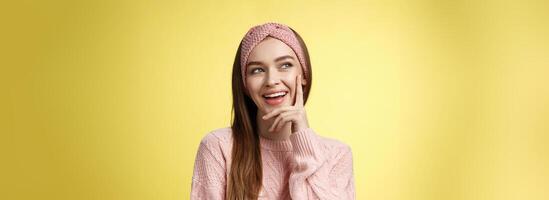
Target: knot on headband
279, 31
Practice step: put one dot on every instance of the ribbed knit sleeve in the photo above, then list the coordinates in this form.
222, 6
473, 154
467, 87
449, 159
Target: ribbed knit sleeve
319, 171
209, 178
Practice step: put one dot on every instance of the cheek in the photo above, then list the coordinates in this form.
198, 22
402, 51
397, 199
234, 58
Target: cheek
252, 92
290, 84
253, 87
252, 83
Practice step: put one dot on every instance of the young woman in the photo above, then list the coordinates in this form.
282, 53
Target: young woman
270, 152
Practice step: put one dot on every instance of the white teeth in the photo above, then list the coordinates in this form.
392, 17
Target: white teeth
275, 94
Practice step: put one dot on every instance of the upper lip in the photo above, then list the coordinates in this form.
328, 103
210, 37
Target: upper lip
274, 91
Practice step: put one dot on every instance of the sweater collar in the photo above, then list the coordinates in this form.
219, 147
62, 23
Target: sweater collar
275, 145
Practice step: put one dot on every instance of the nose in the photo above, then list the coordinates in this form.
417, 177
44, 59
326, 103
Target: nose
273, 78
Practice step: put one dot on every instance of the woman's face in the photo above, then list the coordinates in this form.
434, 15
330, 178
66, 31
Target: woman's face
271, 75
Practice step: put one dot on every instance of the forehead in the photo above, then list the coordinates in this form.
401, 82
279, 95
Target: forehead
270, 49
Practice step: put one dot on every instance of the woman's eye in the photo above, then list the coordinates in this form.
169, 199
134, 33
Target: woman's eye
287, 65
256, 70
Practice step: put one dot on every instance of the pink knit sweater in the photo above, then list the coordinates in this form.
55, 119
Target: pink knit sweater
306, 166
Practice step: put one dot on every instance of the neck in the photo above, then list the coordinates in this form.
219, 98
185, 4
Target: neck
264, 125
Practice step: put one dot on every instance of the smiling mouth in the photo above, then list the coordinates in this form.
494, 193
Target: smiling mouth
275, 98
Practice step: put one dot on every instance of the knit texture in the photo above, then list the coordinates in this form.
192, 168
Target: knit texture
258, 33
305, 166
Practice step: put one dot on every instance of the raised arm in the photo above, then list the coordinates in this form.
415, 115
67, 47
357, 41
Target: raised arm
320, 172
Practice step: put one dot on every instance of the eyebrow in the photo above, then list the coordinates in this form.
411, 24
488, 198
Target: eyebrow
276, 60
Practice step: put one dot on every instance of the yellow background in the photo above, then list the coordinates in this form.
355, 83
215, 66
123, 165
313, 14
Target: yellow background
438, 99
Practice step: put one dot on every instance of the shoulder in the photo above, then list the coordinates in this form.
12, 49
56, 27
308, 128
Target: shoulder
336, 147
218, 135
339, 155
220, 138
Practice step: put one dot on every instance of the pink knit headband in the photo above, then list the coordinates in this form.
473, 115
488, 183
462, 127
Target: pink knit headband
279, 31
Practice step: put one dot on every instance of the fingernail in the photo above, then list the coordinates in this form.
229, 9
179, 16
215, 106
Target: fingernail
263, 117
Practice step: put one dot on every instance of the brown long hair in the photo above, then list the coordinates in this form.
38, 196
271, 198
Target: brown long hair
246, 175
